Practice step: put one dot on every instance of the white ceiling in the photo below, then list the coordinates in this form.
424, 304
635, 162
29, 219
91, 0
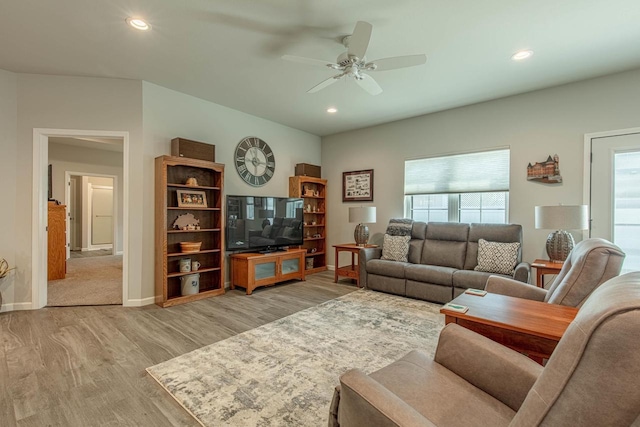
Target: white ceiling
228, 51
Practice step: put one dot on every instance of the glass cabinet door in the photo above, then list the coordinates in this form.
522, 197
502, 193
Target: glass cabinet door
265, 270
290, 266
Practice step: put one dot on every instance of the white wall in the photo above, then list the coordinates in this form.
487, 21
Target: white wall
8, 144
169, 114
87, 161
533, 125
84, 103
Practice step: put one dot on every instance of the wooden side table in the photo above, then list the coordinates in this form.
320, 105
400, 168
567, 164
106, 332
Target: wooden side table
544, 266
352, 270
530, 327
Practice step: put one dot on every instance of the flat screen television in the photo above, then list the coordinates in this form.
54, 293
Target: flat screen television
263, 224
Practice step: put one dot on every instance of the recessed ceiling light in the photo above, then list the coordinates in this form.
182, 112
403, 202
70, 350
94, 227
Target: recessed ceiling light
332, 110
521, 54
138, 24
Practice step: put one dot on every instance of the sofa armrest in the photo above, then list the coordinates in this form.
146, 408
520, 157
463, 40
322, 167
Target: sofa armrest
365, 402
513, 288
497, 370
522, 272
366, 255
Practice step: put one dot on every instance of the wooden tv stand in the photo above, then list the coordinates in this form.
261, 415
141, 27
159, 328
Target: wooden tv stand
252, 270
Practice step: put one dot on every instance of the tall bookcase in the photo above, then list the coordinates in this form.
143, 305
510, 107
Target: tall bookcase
314, 193
171, 176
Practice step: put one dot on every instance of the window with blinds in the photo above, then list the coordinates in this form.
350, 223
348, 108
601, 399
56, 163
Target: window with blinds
472, 187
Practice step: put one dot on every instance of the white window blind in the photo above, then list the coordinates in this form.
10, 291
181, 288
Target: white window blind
460, 173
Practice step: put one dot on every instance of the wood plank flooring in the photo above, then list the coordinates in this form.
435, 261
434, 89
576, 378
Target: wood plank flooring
85, 366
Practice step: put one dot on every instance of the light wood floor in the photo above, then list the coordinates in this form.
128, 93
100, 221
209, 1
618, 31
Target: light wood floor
85, 366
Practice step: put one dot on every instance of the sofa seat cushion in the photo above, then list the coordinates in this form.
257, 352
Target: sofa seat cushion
469, 279
387, 268
430, 274
440, 395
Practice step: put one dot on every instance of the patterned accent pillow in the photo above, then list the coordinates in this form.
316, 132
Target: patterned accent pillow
395, 248
400, 227
496, 257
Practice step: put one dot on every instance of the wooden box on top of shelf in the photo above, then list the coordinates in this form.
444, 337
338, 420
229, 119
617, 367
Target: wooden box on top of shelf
171, 175
314, 192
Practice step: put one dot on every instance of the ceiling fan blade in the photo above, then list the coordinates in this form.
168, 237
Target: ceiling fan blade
359, 40
308, 61
322, 85
369, 84
399, 62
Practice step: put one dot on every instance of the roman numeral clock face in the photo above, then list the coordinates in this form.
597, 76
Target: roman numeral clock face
255, 161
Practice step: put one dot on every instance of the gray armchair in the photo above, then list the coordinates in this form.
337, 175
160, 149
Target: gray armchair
590, 263
591, 378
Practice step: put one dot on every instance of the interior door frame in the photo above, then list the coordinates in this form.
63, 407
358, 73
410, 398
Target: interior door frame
39, 212
67, 197
114, 211
589, 139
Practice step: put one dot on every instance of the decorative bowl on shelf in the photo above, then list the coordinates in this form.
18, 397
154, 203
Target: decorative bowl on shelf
190, 246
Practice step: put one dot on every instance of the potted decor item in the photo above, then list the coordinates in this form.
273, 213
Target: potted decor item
190, 284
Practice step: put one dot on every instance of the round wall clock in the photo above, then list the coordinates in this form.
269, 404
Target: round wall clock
255, 161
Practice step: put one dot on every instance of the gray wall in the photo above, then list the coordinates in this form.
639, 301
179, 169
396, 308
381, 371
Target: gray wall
533, 125
60, 102
168, 114
8, 154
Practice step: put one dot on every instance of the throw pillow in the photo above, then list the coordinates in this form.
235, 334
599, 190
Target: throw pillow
496, 257
266, 231
400, 227
395, 248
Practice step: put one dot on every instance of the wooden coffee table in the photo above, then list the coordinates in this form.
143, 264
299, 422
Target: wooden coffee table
530, 327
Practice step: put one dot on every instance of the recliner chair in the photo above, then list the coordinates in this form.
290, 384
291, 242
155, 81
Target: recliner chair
590, 263
591, 378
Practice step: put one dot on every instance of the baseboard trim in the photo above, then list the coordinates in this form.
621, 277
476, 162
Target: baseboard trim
16, 306
120, 253
331, 267
140, 302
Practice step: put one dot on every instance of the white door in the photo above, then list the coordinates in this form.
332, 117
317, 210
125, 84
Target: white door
615, 194
101, 215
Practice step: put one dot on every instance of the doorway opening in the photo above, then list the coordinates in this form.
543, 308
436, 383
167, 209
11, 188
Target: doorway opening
110, 226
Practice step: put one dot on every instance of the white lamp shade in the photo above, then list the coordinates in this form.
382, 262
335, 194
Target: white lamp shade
362, 214
562, 217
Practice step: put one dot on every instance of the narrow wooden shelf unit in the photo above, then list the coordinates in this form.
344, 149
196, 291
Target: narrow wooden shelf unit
170, 172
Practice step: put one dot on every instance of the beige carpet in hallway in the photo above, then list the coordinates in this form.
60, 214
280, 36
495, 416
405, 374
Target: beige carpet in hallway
89, 281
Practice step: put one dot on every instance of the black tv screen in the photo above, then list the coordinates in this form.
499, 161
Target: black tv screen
263, 223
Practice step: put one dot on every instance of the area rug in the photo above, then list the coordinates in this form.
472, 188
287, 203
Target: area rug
89, 281
284, 373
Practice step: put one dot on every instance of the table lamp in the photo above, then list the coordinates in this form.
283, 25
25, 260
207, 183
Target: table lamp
561, 218
362, 215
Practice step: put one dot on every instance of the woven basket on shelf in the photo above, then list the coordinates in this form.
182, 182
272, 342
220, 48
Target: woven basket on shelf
190, 246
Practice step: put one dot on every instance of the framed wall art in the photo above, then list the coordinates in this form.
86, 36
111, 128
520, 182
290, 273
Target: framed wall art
191, 199
357, 186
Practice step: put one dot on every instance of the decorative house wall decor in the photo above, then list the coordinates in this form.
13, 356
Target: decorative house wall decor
547, 171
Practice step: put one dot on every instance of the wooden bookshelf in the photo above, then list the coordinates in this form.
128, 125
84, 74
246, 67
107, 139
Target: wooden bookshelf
314, 193
171, 175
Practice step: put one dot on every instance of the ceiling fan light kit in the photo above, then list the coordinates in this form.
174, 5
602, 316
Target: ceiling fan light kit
353, 63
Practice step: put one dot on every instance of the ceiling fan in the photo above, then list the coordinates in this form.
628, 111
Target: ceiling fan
353, 63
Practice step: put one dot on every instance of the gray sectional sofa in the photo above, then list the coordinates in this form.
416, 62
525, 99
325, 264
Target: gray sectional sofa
441, 261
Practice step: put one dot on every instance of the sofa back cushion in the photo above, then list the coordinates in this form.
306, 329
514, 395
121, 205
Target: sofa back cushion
446, 244
504, 233
418, 233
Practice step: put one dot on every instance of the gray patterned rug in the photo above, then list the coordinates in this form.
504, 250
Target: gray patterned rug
284, 373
